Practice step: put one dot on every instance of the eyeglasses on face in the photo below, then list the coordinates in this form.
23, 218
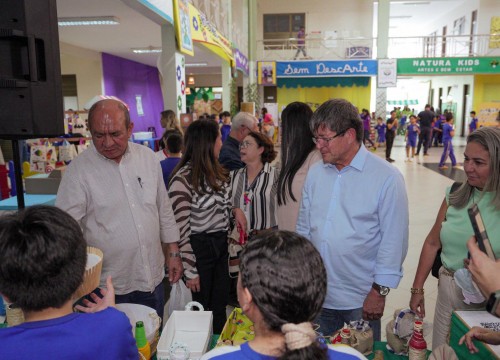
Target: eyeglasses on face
246, 144
323, 140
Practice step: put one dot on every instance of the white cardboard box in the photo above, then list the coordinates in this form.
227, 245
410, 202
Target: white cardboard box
191, 328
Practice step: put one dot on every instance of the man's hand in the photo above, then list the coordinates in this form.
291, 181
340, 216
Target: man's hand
373, 306
486, 335
193, 284
175, 269
99, 304
174, 263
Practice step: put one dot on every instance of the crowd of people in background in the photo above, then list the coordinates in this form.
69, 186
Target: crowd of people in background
324, 229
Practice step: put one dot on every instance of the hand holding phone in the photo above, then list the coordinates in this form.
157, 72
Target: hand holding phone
480, 231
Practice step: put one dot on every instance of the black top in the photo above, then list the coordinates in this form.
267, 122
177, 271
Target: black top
229, 156
426, 118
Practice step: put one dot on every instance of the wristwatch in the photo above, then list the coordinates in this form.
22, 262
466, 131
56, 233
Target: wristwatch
493, 301
382, 290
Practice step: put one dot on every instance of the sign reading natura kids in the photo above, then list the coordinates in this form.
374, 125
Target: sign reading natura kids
455, 66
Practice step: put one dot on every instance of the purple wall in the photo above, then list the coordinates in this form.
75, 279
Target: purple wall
126, 79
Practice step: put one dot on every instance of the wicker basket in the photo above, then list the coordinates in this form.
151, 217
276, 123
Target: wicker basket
92, 274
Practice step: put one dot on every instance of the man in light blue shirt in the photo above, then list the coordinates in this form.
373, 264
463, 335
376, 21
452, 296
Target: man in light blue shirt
355, 211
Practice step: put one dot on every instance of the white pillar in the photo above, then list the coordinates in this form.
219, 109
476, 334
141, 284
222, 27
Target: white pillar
382, 50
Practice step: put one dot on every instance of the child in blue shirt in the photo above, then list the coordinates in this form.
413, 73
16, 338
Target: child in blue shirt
412, 132
380, 127
448, 133
473, 122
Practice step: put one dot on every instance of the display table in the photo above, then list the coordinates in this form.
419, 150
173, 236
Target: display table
461, 323
10, 204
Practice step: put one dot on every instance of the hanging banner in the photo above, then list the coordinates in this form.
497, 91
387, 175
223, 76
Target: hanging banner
180, 80
294, 69
183, 27
241, 61
204, 32
449, 66
387, 73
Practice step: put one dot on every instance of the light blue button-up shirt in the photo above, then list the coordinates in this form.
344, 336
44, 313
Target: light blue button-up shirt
357, 218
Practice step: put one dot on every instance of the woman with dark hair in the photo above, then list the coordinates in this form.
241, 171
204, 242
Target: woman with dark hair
298, 154
281, 288
453, 228
199, 191
253, 187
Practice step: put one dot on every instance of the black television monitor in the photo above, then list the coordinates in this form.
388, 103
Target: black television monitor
31, 102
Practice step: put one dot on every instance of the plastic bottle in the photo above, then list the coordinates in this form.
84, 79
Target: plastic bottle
141, 341
417, 345
345, 335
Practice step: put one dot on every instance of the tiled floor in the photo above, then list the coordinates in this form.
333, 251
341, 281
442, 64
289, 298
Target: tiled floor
425, 188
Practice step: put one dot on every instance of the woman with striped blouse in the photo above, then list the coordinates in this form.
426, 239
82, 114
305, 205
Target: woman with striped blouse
254, 187
199, 191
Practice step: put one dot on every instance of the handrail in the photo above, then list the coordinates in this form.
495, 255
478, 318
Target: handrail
399, 47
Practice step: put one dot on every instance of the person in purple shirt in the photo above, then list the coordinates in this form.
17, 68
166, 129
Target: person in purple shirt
43, 255
367, 126
380, 127
174, 152
412, 132
473, 122
226, 125
448, 133
301, 46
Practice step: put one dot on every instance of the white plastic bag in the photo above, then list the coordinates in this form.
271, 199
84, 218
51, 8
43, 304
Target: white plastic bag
180, 296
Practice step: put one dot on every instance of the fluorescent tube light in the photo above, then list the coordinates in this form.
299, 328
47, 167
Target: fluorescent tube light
201, 64
147, 50
85, 21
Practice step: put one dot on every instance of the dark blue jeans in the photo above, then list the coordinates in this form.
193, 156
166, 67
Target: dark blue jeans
330, 320
155, 300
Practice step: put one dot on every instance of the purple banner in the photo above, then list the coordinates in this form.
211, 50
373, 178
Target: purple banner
241, 61
139, 86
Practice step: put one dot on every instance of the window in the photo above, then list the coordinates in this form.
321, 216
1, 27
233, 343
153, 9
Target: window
281, 26
459, 26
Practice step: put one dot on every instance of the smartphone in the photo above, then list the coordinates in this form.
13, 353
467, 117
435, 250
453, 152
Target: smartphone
480, 231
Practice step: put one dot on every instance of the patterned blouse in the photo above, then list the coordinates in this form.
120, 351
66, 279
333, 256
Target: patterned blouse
258, 200
197, 213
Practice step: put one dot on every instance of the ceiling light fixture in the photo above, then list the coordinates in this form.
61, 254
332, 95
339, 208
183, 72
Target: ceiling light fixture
417, 3
92, 21
147, 50
400, 17
201, 64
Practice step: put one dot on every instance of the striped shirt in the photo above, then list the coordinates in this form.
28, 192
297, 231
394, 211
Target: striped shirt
196, 213
262, 200
124, 210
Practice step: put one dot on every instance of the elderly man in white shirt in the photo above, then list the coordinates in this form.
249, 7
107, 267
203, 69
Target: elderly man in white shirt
115, 191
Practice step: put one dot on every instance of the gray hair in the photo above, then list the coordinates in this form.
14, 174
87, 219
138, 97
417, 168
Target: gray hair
489, 139
244, 119
337, 115
100, 104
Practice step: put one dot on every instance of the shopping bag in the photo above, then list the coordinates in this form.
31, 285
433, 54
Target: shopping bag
43, 158
237, 330
82, 146
180, 296
67, 152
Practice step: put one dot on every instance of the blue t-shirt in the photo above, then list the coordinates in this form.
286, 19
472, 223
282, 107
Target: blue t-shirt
224, 131
105, 334
473, 124
447, 129
412, 132
167, 166
245, 352
381, 129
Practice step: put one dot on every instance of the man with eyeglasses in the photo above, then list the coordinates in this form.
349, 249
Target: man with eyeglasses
242, 124
355, 211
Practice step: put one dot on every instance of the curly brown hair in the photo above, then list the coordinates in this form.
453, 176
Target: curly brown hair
269, 154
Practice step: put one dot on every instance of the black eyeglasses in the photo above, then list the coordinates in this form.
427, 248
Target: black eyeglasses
322, 140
